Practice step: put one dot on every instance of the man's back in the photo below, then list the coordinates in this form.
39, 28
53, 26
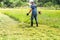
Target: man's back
34, 9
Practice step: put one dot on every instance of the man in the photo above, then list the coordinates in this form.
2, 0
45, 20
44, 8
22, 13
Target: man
34, 13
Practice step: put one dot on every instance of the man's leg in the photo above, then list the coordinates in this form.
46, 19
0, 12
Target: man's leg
36, 21
31, 20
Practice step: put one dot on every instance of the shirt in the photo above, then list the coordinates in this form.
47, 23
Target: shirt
34, 9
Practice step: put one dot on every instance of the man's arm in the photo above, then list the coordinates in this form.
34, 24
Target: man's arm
29, 12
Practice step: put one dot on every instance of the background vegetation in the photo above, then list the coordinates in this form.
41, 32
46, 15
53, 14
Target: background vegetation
40, 3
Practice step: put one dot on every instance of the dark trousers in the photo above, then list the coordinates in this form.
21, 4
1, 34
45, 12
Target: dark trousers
34, 17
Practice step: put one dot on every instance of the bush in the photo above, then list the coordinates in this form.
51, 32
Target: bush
48, 4
40, 4
57, 7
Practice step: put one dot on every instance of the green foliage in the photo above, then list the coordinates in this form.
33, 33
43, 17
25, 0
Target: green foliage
57, 7
12, 3
48, 4
18, 3
0, 4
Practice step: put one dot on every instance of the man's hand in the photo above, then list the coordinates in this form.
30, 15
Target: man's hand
27, 14
39, 12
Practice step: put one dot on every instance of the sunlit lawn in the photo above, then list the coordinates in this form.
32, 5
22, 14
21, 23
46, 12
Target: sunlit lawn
49, 25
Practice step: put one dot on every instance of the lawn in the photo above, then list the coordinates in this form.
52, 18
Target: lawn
48, 17
17, 26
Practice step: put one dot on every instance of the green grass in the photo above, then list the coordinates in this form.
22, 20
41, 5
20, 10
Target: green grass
48, 17
49, 25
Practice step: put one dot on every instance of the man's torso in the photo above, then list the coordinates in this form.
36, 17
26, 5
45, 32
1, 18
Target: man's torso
34, 9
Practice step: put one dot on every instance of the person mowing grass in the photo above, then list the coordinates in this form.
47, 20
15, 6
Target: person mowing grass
34, 13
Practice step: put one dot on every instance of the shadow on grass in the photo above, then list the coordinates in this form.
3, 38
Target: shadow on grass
26, 25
